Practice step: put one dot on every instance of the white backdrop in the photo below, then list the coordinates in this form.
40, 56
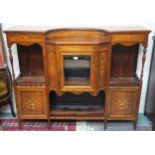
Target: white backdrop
82, 13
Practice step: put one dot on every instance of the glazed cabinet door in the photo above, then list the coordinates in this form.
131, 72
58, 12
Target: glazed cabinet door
123, 102
78, 68
32, 102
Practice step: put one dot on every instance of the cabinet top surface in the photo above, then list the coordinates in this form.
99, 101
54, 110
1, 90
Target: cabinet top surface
108, 29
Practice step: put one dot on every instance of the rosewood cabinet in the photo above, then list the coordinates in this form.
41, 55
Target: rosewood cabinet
34, 104
77, 74
123, 102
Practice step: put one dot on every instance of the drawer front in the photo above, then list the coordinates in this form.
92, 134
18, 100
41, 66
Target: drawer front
32, 102
123, 101
116, 38
25, 38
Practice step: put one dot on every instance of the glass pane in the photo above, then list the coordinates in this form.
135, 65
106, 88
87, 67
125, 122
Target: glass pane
77, 70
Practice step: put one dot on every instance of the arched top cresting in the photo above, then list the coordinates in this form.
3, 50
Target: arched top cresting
77, 36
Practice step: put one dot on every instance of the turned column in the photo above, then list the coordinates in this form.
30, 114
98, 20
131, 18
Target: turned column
141, 78
143, 62
11, 61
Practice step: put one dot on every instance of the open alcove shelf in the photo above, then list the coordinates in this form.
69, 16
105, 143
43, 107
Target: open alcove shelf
78, 74
31, 64
83, 104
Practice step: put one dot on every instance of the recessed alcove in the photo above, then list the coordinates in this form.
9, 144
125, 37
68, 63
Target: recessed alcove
77, 104
123, 64
31, 64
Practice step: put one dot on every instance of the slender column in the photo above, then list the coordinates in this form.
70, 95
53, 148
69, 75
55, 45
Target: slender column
143, 62
141, 77
11, 61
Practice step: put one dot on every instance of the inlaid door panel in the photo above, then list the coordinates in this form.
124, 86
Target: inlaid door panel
32, 102
123, 102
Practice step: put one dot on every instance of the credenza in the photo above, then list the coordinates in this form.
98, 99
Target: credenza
77, 73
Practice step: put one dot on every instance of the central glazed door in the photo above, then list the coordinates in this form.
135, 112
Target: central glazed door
78, 68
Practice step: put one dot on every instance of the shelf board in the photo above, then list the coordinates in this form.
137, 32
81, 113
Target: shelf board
25, 80
78, 112
77, 117
124, 81
77, 83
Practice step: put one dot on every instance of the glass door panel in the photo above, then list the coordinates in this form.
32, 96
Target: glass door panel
77, 70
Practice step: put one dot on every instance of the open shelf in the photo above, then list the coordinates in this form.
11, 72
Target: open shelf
25, 80
31, 65
31, 60
124, 81
124, 60
123, 65
80, 105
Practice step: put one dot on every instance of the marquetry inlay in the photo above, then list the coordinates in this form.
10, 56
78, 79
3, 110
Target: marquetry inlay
102, 68
31, 104
122, 103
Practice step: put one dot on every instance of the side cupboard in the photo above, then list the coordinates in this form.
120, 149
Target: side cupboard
77, 74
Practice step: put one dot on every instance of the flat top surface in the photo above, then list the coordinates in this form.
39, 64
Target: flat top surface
111, 29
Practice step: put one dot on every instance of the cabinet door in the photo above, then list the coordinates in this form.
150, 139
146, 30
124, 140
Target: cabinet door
32, 102
123, 102
78, 67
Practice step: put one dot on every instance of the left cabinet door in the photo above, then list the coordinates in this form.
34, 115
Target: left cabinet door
32, 102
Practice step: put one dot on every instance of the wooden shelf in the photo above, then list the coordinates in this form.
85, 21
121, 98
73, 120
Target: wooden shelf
77, 112
77, 105
77, 83
26, 80
124, 81
77, 117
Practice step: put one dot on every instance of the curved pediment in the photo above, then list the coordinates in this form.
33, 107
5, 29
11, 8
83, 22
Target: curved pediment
77, 36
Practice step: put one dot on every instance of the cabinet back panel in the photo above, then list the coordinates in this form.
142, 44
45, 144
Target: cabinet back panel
31, 60
84, 99
124, 60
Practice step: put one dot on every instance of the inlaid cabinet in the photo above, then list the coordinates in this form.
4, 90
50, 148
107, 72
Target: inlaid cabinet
78, 74
123, 102
34, 104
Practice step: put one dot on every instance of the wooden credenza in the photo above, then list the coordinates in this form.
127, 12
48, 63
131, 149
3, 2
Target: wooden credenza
78, 74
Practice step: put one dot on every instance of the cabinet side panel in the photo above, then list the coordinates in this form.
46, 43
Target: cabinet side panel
52, 67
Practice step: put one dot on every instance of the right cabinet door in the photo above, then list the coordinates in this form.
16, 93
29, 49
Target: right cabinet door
123, 102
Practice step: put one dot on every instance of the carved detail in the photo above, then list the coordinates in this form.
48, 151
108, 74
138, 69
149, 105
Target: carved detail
143, 62
11, 61
30, 44
60, 93
94, 93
